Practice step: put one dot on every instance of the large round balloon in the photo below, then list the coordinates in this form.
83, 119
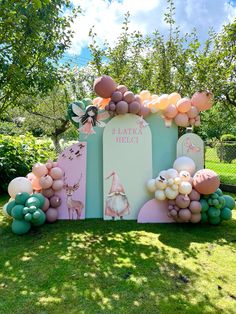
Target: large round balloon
104, 86
21, 198
20, 226
184, 163
206, 181
229, 201
202, 100
51, 215
19, 185
39, 170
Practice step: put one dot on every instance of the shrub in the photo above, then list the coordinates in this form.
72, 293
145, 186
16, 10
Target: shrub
226, 151
19, 153
228, 138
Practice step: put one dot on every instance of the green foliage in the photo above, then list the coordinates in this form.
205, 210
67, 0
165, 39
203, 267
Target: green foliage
18, 154
226, 151
228, 138
33, 37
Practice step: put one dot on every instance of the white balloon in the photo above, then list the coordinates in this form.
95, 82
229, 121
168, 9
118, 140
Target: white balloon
151, 185
161, 183
185, 188
184, 163
18, 185
160, 195
177, 180
184, 175
171, 173
171, 194
170, 182
175, 187
163, 174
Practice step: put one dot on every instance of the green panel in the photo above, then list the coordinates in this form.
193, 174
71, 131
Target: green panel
164, 153
163, 143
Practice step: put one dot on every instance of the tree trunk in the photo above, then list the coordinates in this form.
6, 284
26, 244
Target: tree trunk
56, 143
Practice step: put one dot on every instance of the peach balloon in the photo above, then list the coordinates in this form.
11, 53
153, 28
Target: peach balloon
48, 192
57, 185
170, 112
96, 101
39, 170
193, 112
202, 100
56, 173
144, 111
54, 164
181, 119
195, 218
46, 181
195, 207
185, 214
173, 98
103, 102
192, 121
144, 95
46, 204
163, 101
183, 105
35, 184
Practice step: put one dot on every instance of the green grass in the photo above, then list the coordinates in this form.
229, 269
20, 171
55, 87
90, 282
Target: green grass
97, 267
226, 171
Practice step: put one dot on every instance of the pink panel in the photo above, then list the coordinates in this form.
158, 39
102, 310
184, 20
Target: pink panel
73, 162
154, 211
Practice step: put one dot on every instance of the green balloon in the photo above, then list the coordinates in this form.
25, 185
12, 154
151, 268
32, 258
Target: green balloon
215, 202
229, 201
204, 205
10, 205
36, 215
226, 213
215, 220
17, 212
32, 209
222, 201
206, 196
214, 195
204, 217
25, 210
87, 102
32, 201
21, 198
40, 220
20, 226
219, 192
213, 212
41, 199
28, 217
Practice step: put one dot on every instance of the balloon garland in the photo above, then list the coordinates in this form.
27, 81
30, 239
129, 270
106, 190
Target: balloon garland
192, 199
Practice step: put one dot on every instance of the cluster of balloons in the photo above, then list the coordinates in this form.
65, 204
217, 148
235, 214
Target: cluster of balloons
170, 183
117, 99
47, 178
191, 197
184, 111
25, 209
216, 207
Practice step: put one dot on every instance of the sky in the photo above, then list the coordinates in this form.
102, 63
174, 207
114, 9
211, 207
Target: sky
145, 15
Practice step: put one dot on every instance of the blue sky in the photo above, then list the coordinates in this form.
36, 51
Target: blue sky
146, 15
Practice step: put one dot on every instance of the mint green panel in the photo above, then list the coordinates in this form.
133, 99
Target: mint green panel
164, 142
94, 183
163, 155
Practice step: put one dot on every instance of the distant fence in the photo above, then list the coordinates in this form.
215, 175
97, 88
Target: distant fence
221, 157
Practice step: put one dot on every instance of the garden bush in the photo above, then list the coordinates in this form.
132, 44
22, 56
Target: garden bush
19, 153
226, 148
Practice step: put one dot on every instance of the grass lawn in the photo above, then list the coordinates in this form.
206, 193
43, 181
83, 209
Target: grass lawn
97, 267
226, 171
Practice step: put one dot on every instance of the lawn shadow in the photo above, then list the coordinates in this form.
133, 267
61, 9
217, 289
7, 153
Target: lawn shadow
93, 266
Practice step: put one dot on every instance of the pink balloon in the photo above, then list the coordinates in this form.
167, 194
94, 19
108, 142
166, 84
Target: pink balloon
49, 165
134, 107
138, 99
202, 100
57, 185
183, 105
46, 181
192, 121
56, 173
195, 207
170, 112
54, 164
48, 192
182, 201
39, 170
193, 112
122, 107
144, 111
122, 89
116, 96
34, 181
55, 201
182, 119
51, 215
129, 97
194, 195
112, 106
46, 204
185, 214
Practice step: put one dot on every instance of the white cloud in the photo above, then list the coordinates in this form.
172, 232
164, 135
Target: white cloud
146, 16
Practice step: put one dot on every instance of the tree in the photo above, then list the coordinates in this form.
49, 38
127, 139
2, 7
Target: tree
33, 36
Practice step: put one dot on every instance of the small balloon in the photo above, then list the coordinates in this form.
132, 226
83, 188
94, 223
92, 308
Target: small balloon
56, 173
51, 215
46, 181
183, 105
39, 170
57, 185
